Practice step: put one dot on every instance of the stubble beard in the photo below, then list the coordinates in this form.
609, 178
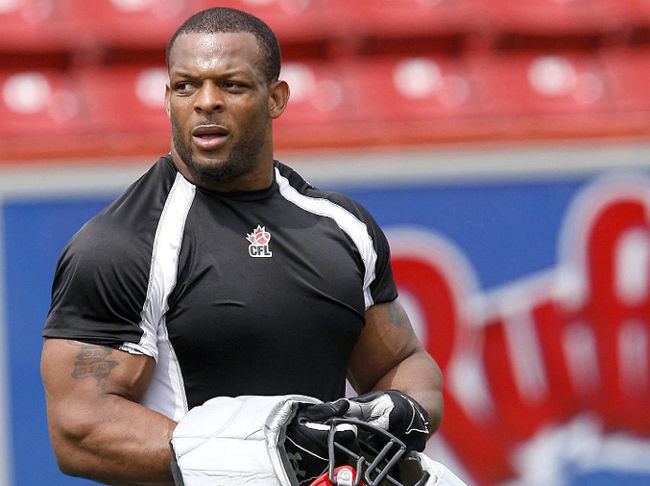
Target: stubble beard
242, 159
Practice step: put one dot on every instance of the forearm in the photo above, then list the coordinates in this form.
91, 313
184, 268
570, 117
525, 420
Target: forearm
115, 441
418, 376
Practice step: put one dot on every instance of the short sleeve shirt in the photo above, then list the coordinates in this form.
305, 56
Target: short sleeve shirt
251, 293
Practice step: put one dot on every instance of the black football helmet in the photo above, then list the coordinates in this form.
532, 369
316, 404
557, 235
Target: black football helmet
382, 459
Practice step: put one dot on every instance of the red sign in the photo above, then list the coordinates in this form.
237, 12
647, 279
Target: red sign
543, 350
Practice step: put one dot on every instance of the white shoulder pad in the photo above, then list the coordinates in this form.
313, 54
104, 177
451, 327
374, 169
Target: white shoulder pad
234, 441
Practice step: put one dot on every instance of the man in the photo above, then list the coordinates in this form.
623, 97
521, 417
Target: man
220, 272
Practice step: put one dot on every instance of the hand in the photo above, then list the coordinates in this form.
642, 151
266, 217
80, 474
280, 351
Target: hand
306, 443
395, 412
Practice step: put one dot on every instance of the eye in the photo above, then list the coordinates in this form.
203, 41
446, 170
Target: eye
233, 85
183, 87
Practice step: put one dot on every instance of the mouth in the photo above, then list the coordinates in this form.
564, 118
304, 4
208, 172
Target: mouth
210, 137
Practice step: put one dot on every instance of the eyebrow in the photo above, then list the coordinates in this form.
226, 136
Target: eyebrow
180, 72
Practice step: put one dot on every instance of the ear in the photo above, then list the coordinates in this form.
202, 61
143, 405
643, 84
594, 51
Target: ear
168, 92
278, 98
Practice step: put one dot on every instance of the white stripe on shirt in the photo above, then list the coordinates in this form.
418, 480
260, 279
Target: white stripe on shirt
166, 391
350, 224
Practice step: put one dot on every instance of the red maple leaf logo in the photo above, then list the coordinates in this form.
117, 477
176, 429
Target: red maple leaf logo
259, 236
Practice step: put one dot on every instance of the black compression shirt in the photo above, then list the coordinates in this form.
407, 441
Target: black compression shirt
254, 293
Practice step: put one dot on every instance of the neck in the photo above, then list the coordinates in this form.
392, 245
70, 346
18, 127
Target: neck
260, 176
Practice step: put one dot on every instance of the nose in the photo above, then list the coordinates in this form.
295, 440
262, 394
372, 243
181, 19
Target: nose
209, 98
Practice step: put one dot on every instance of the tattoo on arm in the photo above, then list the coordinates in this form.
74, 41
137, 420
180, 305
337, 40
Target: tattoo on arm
397, 315
93, 361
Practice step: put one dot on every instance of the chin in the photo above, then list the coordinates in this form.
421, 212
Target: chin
216, 170
206, 161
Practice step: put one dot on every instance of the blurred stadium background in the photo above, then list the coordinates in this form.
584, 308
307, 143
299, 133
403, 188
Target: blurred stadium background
503, 144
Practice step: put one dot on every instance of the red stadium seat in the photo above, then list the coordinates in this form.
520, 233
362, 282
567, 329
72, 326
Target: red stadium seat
538, 84
40, 104
405, 18
291, 20
636, 12
378, 101
551, 17
126, 23
31, 25
629, 71
126, 98
321, 94
322, 109
397, 89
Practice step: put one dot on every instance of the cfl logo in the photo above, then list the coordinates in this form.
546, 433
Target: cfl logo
259, 243
259, 251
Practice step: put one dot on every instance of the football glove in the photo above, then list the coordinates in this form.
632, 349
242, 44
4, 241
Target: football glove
306, 437
395, 412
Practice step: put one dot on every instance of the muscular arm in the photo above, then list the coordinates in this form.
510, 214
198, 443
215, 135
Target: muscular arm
388, 355
97, 427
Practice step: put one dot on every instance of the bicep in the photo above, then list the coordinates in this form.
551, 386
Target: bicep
385, 341
98, 430
76, 375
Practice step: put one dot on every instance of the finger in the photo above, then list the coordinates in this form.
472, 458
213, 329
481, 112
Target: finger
376, 411
368, 397
325, 411
355, 410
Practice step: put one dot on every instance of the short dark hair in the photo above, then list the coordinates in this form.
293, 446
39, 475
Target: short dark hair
223, 19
